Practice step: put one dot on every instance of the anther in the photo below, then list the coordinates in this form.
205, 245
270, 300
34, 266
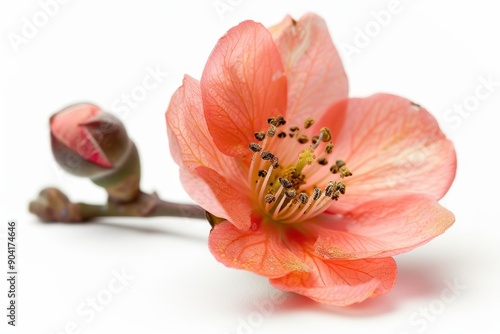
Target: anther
259, 135
262, 173
340, 163
308, 122
322, 161
316, 194
334, 169
303, 198
254, 147
275, 162
280, 121
269, 198
344, 172
336, 195
290, 193
271, 120
329, 148
340, 187
330, 188
303, 139
326, 135
272, 130
294, 128
285, 183
266, 155
315, 139
281, 134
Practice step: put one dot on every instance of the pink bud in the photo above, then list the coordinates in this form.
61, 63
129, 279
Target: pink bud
87, 141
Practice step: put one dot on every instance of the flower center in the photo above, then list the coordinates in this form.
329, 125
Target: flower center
291, 175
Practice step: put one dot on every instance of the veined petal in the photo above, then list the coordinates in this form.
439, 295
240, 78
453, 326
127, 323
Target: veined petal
341, 282
191, 144
234, 205
316, 77
258, 249
382, 227
206, 174
242, 86
391, 145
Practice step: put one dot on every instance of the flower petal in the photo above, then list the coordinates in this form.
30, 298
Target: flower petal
258, 249
341, 282
382, 227
316, 77
391, 145
233, 204
206, 174
242, 86
191, 144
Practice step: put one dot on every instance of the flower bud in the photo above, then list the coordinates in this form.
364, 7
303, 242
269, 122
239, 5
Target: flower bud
87, 141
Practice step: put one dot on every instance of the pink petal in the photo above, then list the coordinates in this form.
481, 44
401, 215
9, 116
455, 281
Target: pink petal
206, 174
383, 227
258, 249
68, 127
242, 86
190, 142
315, 74
341, 282
234, 205
391, 145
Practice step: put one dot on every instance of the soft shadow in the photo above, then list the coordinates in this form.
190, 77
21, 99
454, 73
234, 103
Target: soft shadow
134, 227
415, 280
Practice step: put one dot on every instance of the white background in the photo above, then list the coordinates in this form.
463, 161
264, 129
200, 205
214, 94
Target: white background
435, 53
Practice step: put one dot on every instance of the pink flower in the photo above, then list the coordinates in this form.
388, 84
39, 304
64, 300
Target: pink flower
294, 213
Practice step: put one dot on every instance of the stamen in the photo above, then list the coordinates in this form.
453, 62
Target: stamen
327, 135
262, 173
280, 121
259, 135
285, 183
272, 130
303, 198
269, 198
316, 194
308, 122
290, 193
254, 147
287, 192
329, 148
322, 161
303, 139
282, 135
324, 136
266, 155
330, 188
271, 120
275, 162
341, 187
342, 169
